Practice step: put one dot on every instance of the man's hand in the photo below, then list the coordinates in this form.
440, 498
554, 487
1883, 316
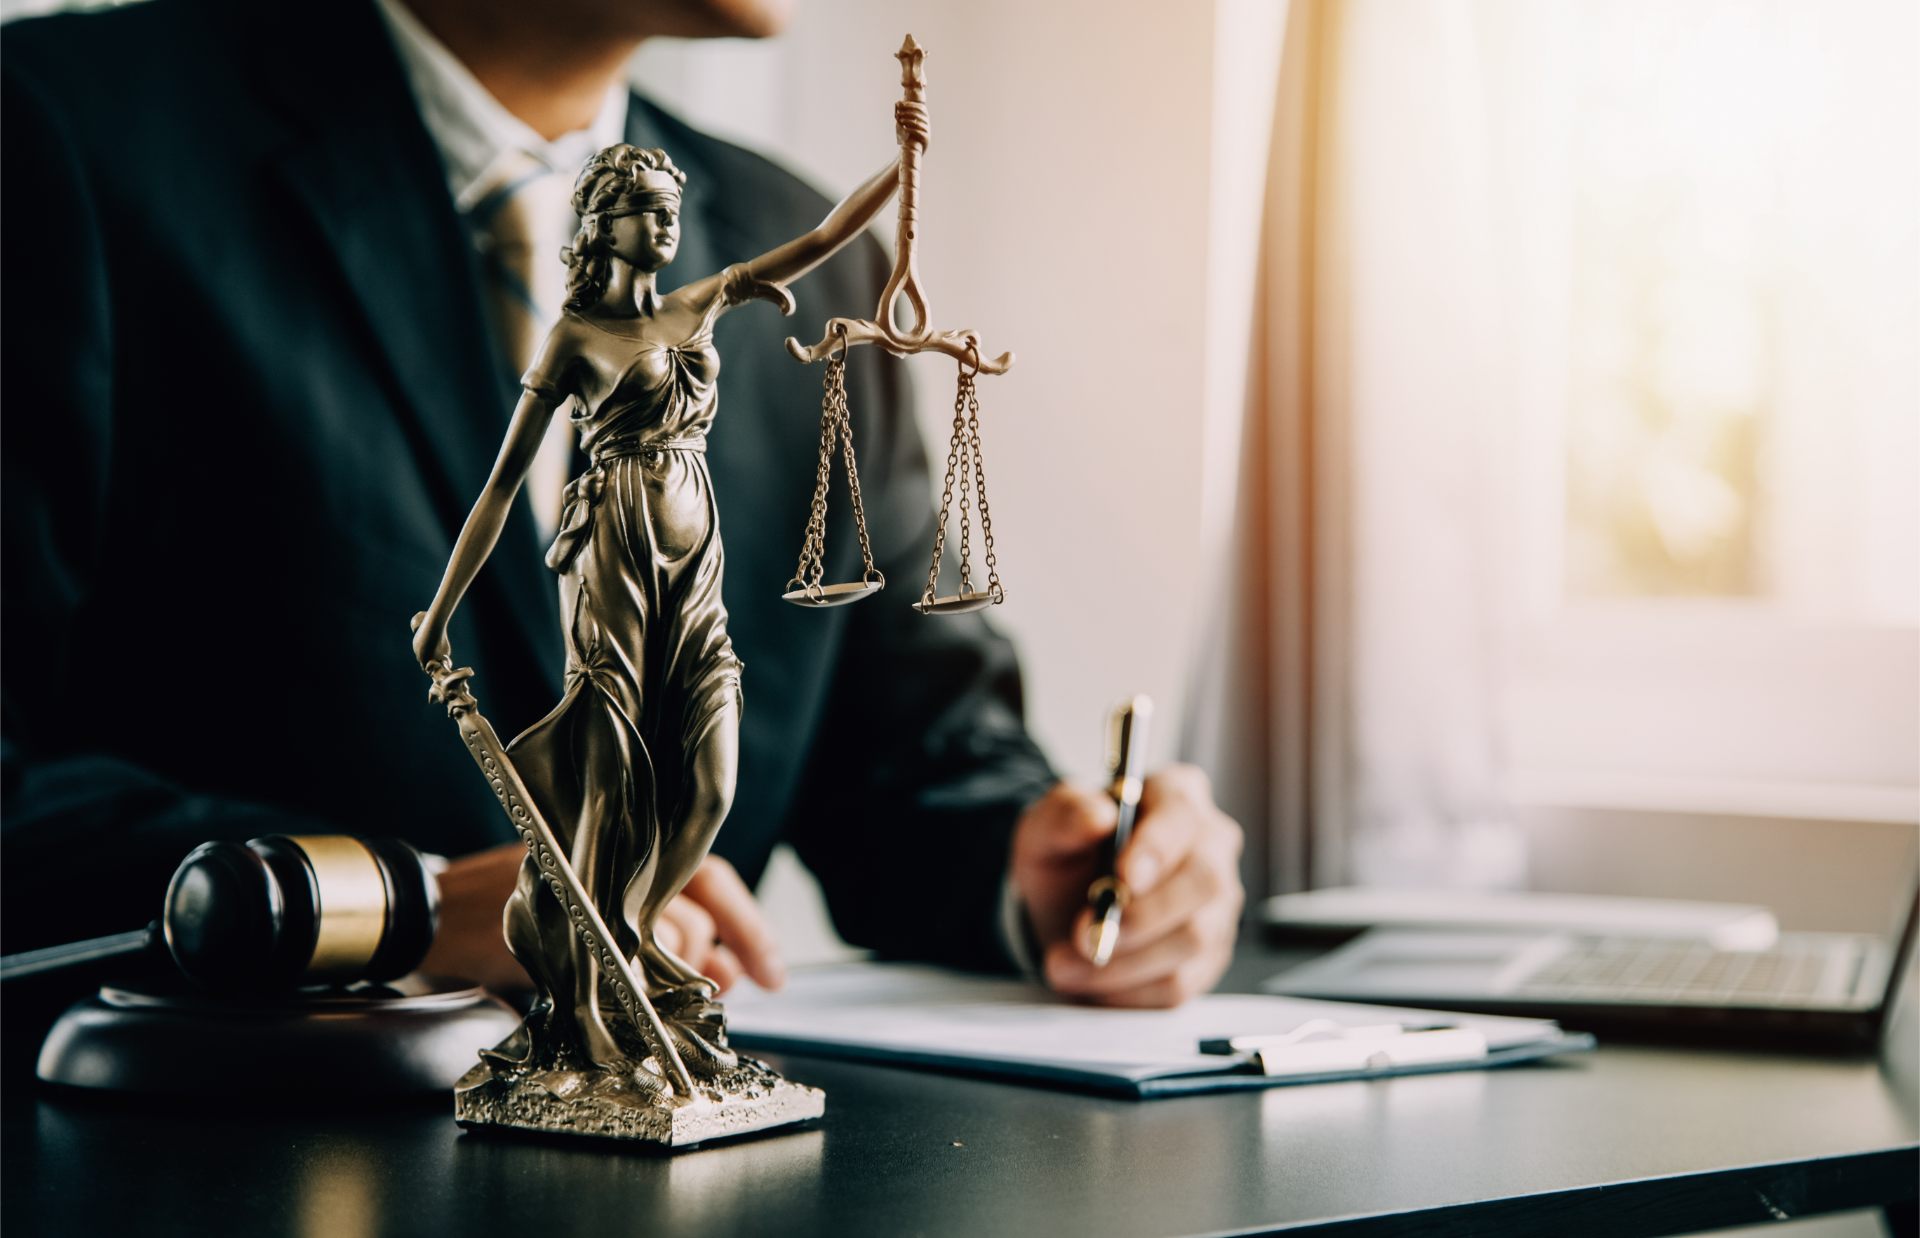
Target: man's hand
469, 942
1181, 866
714, 924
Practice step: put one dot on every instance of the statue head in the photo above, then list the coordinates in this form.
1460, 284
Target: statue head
628, 201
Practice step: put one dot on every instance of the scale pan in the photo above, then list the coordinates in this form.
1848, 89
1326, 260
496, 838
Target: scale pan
834, 595
958, 603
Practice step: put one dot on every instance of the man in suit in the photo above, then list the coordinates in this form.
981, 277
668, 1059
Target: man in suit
249, 390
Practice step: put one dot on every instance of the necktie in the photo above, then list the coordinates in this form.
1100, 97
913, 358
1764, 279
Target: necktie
521, 218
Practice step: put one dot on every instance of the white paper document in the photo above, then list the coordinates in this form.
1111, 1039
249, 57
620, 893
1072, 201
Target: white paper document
924, 1016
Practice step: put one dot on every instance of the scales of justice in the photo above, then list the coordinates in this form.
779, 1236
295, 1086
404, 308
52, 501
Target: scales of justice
619, 791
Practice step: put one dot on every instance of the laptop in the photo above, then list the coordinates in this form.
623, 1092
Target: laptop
1813, 990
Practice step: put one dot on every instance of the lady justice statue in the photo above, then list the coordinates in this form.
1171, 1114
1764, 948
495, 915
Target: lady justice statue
620, 789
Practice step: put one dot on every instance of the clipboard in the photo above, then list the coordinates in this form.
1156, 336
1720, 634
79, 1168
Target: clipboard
921, 1017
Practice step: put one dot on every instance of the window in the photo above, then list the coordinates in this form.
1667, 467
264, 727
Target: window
1628, 326
1726, 618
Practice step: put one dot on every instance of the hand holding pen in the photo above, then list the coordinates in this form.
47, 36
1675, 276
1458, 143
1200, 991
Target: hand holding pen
1180, 866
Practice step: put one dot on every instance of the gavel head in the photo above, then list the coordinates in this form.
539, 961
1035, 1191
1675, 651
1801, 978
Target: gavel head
285, 911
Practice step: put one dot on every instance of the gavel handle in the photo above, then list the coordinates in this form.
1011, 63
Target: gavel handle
77, 954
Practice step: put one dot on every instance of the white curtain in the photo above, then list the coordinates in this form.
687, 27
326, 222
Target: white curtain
1348, 690
1431, 417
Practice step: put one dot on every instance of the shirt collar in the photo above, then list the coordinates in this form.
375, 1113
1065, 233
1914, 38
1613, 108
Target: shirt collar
472, 128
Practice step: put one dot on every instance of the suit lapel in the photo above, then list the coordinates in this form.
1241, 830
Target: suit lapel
398, 244
368, 174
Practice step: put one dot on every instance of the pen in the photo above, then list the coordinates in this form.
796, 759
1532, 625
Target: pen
1126, 761
1321, 1046
1313, 1030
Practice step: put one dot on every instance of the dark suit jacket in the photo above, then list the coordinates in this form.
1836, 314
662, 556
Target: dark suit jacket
248, 399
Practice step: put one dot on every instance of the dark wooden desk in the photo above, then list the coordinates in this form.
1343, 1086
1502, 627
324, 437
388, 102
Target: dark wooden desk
1623, 1141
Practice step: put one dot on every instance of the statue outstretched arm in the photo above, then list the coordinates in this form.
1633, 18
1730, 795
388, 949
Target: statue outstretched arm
489, 515
846, 221
768, 275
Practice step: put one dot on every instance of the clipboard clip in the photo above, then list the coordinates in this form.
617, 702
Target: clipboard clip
1324, 1047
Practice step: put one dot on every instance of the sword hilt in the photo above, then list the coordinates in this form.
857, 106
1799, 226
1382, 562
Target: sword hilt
450, 687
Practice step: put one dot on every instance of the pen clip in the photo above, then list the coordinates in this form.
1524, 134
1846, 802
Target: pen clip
1127, 744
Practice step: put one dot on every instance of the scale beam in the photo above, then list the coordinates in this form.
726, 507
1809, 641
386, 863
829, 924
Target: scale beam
883, 328
962, 346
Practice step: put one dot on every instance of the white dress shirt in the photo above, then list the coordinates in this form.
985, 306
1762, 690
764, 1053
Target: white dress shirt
472, 128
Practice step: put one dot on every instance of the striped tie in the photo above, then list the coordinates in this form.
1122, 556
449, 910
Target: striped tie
521, 217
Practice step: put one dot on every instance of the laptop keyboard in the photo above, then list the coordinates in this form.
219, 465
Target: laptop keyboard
1612, 969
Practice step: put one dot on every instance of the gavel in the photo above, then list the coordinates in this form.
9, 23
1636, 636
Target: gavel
276, 913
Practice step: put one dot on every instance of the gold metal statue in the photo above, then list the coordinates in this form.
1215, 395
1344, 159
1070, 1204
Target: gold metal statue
619, 791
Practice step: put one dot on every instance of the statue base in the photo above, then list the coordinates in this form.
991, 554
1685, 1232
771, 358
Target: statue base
744, 1099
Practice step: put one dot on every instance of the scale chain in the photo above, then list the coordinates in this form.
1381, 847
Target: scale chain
853, 484
812, 566
994, 587
836, 428
961, 445
946, 503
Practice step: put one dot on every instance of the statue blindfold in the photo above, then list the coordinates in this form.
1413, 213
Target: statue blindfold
643, 201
